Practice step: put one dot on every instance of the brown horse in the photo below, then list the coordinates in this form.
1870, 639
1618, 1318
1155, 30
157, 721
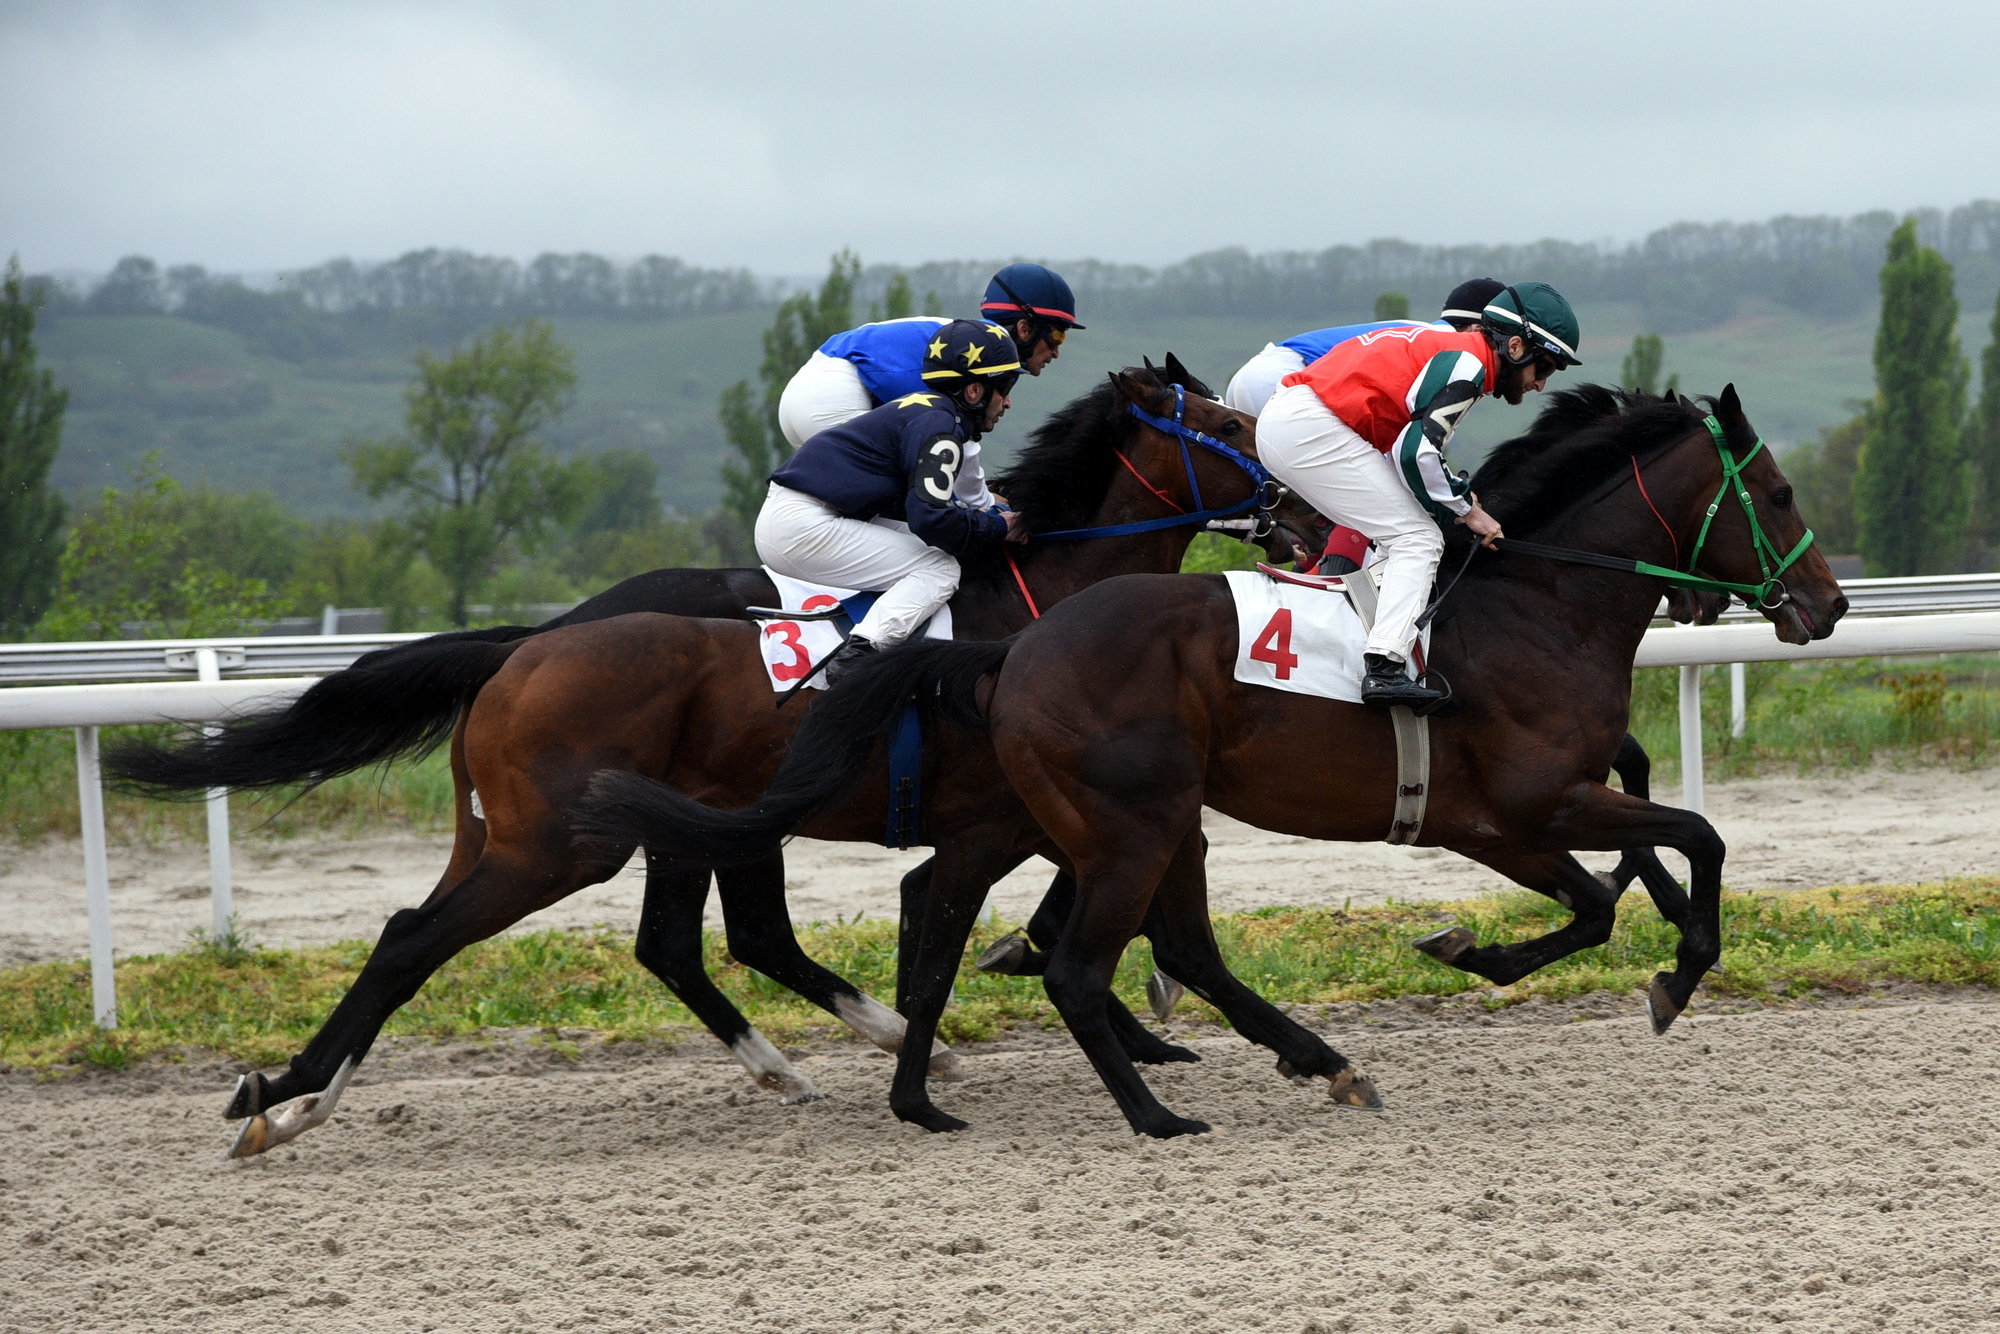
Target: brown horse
687, 701
1117, 719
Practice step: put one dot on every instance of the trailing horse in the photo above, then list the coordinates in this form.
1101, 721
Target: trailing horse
1117, 718
1138, 462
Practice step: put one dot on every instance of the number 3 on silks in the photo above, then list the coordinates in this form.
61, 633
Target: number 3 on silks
937, 470
1274, 645
788, 633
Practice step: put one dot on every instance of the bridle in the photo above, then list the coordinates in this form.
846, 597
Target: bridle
1768, 595
1264, 498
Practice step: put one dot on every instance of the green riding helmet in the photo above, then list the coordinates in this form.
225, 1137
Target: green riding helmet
967, 350
1544, 320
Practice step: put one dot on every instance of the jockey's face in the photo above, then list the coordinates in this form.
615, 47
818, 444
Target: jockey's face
1037, 351
1530, 377
981, 394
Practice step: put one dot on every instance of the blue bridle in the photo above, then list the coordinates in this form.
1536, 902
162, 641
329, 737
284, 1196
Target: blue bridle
1266, 485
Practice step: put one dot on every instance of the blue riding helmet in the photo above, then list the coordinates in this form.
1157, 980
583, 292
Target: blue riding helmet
1030, 291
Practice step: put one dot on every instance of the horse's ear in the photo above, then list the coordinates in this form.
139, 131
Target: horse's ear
1131, 388
1729, 407
1149, 362
1176, 372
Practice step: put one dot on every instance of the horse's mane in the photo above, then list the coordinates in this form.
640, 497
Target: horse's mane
1059, 479
1583, 438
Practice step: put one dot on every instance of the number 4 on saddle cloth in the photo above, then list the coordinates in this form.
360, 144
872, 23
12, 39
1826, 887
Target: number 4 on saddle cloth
1292, 636
793, 650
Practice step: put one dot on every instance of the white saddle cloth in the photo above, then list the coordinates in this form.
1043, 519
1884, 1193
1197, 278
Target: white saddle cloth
793, 648
1305, 640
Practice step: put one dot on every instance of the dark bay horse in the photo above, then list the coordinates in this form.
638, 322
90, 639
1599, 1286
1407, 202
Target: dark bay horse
687, 700
1117, 718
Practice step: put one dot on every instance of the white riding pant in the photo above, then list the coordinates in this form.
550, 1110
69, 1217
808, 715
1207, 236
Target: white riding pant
804, 537
1252, 386
1353, 483
827, 391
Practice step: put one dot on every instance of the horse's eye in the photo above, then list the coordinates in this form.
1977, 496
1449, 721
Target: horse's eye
1230, 427
1782, 498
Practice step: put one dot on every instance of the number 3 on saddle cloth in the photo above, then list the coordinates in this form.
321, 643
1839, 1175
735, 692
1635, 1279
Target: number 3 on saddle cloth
792, 649
1292, 636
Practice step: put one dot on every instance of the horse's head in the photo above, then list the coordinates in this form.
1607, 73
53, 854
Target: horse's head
1751, 532
1197, 455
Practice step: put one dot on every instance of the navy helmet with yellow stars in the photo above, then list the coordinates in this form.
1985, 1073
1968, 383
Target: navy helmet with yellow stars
967, 350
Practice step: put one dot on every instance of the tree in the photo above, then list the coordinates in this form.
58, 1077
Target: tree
750, 421
1822, 477
1642, 366
472, 472
1982, 437
1912, 490
31, 420
1392, 306
131, 288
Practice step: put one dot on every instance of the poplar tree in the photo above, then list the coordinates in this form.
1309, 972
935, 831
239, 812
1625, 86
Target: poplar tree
749, 418
31, 419
1912, 490
1982, 437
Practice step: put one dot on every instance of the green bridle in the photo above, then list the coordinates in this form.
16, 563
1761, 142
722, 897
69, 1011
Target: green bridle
1757, 595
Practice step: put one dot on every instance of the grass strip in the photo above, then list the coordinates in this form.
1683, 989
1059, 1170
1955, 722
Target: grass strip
261, 1005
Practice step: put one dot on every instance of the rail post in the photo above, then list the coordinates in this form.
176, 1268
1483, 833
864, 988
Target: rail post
96, 879
1691, 766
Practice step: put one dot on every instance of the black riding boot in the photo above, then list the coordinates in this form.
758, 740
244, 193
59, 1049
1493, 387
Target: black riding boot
1385, 684
847, 655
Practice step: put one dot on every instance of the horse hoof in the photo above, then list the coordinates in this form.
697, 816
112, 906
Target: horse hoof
931, 1119
1447, 946
1162, 994
1169, 1126
289, 1120
1661, 1007
946, 1066
802, 1097
1005, 955
1351, 1088
253, 1138
249, 1098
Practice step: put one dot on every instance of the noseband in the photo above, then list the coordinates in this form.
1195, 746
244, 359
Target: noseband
1263, 498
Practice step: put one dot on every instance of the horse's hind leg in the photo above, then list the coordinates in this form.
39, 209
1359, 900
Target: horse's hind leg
1562, 878
761, 937
498, 892
669, 946
1184, 944
1635, 769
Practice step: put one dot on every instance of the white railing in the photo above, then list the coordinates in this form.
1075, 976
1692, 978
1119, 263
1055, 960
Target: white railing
136, 682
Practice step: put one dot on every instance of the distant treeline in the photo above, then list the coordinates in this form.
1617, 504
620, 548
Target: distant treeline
1687, 276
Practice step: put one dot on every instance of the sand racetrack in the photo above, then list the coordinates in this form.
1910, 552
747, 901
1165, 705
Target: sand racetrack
1829, 1168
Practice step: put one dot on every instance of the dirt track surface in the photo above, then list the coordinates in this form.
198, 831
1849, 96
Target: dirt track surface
1830, 1170
1782, 832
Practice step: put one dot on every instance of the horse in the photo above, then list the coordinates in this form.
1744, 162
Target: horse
1116, 718
658, 689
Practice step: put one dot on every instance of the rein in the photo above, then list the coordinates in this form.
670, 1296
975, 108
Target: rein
1187, 435
1756, 595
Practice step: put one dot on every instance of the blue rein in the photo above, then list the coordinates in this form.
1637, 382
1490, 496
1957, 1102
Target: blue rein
1187, 435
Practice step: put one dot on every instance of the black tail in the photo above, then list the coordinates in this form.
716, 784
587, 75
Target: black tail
830, 747
392, 702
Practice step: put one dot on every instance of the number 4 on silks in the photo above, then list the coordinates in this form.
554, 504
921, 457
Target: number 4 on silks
1274, 645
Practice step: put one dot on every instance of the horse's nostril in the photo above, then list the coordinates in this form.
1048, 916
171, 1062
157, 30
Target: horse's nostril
1840, 606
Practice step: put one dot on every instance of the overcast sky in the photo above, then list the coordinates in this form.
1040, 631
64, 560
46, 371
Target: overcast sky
254, 136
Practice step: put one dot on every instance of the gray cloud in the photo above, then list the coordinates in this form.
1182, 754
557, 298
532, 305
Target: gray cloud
264, 135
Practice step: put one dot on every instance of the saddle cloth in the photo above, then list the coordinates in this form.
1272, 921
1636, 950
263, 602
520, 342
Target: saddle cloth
793, 648
1302, 634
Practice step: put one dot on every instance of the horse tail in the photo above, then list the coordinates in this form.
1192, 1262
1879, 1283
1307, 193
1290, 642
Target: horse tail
830, 748
400, 701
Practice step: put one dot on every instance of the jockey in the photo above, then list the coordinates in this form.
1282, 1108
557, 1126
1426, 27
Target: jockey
866, 367
902, 461
1252, 386
1360, 434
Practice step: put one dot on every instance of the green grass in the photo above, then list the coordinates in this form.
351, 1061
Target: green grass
261, 1005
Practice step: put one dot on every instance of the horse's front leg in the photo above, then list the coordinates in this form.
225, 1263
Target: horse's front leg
1555, 874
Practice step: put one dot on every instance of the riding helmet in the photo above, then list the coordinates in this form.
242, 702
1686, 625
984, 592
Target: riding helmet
1469, 298
967, 350
1033, 291
1539, 314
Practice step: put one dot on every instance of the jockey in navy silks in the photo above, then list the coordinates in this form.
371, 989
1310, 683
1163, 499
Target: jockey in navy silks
836, 510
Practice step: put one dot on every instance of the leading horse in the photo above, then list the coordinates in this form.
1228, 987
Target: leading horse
1117, 718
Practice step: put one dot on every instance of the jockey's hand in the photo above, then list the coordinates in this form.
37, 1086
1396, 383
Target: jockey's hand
1483, 525
1017, 527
